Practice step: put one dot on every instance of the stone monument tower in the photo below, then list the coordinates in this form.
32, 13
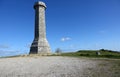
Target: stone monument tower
40, 44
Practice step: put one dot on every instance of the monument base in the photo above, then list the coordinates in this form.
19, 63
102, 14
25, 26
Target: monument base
40, 47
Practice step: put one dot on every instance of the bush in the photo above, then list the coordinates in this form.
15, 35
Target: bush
58, 50
84, 54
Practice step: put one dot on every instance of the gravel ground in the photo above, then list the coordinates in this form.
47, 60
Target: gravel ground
53, 66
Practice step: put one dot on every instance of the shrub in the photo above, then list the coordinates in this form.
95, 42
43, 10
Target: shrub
84, 54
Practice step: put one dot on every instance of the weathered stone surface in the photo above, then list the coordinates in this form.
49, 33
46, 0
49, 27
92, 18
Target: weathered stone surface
40, 43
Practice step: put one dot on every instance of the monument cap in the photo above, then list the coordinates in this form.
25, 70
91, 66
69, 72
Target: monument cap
39, 3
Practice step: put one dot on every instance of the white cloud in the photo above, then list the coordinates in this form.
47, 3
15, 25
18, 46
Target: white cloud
3, 46
12, 52
9, 52
65, 39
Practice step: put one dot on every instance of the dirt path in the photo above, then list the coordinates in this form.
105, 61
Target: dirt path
47, 67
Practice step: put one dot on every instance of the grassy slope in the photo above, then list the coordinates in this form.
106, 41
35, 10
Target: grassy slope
80, 53
92, 53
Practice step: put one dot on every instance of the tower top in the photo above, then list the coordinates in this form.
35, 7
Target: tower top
39, 3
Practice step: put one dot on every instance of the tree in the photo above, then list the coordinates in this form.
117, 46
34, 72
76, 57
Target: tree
58, 50
102, 50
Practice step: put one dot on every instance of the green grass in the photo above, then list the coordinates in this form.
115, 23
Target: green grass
92, 53
80, 53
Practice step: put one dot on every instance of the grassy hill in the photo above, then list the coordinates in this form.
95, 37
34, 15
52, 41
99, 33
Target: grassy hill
93, 53
80, 53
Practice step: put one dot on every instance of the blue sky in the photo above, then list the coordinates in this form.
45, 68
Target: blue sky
71, 25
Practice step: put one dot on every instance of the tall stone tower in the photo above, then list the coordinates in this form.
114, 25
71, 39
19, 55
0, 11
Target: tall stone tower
40, 44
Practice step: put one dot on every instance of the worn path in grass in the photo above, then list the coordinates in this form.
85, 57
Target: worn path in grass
57, 66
